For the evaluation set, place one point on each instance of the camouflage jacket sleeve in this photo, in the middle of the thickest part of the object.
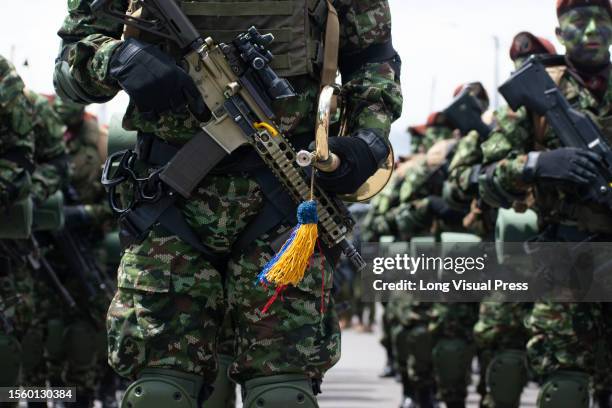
(505, 154)
(372, 92)
(51, 170)
(16, 137)
(88, 43)
(459, 190)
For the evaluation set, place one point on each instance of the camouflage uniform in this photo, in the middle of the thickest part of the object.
(171, 301)
(31, 144)
(16, 118)
(564, 336)
(500, 325)
(85, 142)
(417, 327)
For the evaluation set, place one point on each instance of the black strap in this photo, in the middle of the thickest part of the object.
(351, 63)
(139, 221)
(278, 208)
(153, 150)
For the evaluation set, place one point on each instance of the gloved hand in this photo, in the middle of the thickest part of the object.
(153, 80)
(568, 164)
(360, 156)
(440, 208)
(77, 216)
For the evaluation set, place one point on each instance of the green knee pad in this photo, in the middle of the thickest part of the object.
(421, 348)
(163, 388)
(80, 345)
(451, 360)
(506, 378)
(10, 356)
(33, 349)
(565, 389)
(224, 389)
(280, 391)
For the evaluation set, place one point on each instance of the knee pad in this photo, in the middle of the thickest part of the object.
(280, 391)
(80, 345)
(506, 377)
(565, 389)
(33, 349)
(165, 388)
(10, 355)
(224, 391)
(451, 361)
(421, 348)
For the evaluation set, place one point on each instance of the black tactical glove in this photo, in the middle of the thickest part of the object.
(567, 164)
(153, 80)
(440, 208)
(360, 155)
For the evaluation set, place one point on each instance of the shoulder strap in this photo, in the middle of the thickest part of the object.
(332, 45)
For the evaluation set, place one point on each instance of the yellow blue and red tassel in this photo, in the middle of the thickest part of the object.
(289, 265)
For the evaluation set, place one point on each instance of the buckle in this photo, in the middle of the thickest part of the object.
(119, 169)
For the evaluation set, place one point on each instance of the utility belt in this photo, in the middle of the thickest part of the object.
(154, 203)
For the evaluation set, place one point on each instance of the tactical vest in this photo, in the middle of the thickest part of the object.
(298, 27)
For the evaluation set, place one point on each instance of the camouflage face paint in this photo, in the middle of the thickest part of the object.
(586, 33)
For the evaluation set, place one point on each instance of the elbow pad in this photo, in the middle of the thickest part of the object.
(492, 193)
(67, 87)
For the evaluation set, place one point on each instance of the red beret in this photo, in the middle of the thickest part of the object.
(565, 5)
(477, 89)
(525, 44)
(417, 130)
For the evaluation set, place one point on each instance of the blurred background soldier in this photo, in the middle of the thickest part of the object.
(500, 335)
(527, 167)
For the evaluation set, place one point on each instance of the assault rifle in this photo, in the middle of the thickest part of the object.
(464, 113)
(532, 87)
(238, 86)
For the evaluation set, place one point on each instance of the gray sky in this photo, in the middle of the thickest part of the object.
(442, 43)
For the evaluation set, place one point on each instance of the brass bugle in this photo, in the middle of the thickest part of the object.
(321, 158)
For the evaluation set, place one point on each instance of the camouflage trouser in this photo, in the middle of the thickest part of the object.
(16, 299)
(171, 302)
(385, 340)
(571, 336)
(500, 326)
(63, 363)
(453, 321)
(412, 318)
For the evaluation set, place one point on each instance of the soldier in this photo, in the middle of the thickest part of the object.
(164, 319)
(523, 160)
(16, 166)
(88, 217)
(499, 334)
(34, 165)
